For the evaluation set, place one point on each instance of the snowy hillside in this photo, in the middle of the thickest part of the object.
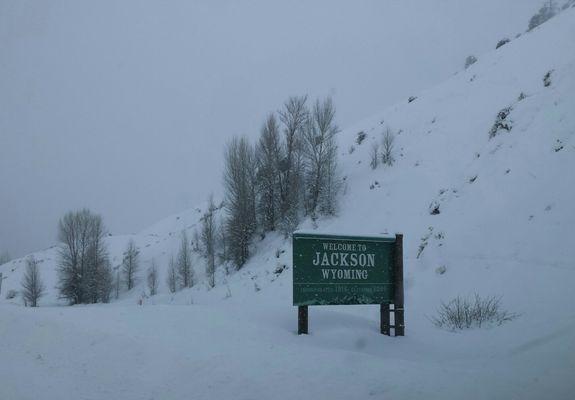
(480, 215)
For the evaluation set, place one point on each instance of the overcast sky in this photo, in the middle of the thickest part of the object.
(124, 106)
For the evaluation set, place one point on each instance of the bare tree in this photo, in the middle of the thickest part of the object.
(320, 154)
(208, 238)
(222, 240)
(184, 263)
(4, 257)
(83, 258)
(196, 241)
(98, 275)
(32, 285)
(117, 284)
(293, 116)
(269, 153)
(388, 148)
(332, 184)
(153, 278)
(239, 182)
(374, 155)
(105, 282)
(172, 278)
(130, 264)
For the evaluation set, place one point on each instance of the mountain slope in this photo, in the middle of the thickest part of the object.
(503, 228)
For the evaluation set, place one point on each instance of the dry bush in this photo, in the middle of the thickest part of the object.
(474, 312)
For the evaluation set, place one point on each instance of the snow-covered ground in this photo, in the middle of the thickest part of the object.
(504, 229)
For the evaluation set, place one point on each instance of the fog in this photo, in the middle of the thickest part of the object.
(124, 106)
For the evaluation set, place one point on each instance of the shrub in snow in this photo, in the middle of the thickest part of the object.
(501, 122)
(360, 137)
(374, 155)
(441, 270)
(502, 42)
(434, 208)
(546, 12)
(547, 79)
(387, 148)
(465, 313)
(470, 60)
(279, 269)
(11, 294)
(522, 96)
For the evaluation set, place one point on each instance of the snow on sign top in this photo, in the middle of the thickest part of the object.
(347, 235)
(333, 269)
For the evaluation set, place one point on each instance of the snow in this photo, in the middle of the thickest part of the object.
(508, 233)
(348, 232)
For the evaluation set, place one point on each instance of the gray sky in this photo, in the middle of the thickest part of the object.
(124, 106)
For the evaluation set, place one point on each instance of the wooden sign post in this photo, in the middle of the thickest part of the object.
(336, 270)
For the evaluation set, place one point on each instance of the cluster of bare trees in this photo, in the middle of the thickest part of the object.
(290, 173)
(85, 275)
(84, 270)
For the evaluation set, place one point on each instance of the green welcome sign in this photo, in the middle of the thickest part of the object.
(336, 269)
(330, 269)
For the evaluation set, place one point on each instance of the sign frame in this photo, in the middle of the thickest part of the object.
(382, 266)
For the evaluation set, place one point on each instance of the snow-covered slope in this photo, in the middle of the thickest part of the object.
(504, 228)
